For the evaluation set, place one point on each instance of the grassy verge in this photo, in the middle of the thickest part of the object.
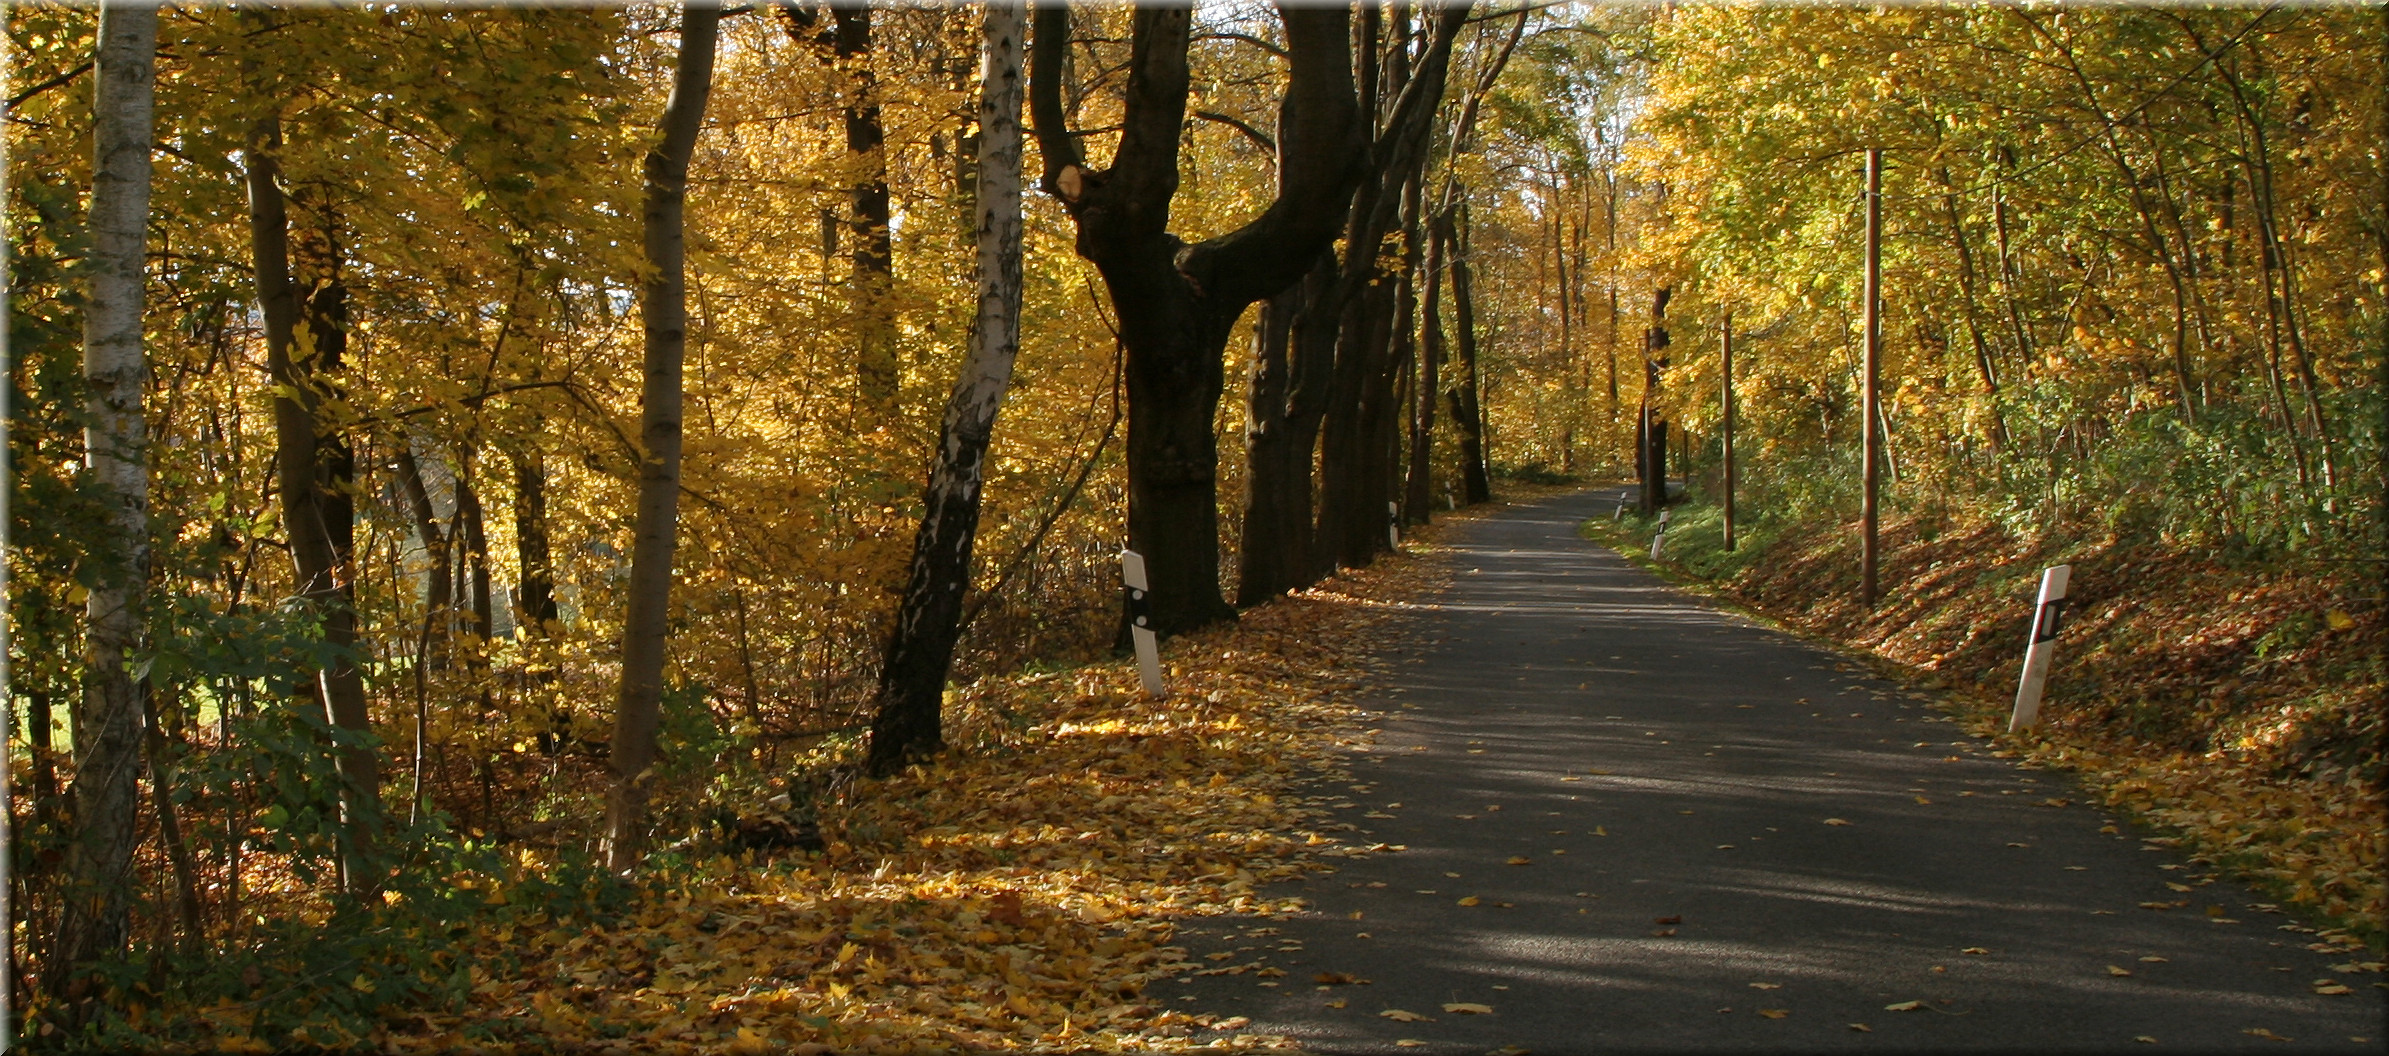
(2235, 710)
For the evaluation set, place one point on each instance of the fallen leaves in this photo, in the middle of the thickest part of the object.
(1974, 950)
(2118, 972)
(1904, 1006)
(1837, 821)
(1017, 893)
(1467, 1008)
(1775, 1013)
(1404, 1015)
(1766, 986)
(1519, 859)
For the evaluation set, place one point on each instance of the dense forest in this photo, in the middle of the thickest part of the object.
(524, 442)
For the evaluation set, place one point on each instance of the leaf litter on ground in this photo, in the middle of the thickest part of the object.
(1018, 894)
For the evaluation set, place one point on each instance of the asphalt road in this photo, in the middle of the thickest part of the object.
(1732, 839)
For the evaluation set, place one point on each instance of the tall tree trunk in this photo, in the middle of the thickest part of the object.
(1651, 460)
(306, 340)
(921, 651)
(1358, 453)
(876, 367)
(431, 652)
(1475, 481)
(1176, 303)
(663, 315)
(1419, 489)
(472, 535)
(535, 598)
(1282, 427)
(97, 876)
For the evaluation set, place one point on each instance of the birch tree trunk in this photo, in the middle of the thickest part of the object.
(663, 312)
(107, 724)
(921, 651)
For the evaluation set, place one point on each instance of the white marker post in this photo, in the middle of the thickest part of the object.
(1660, 534)
(1393, 526)
(1140, 621)
(2045, 619)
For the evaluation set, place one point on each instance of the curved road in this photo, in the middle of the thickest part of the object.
(1731, 838)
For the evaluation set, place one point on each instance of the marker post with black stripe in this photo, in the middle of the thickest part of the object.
(2046, 618)
(1140, 621)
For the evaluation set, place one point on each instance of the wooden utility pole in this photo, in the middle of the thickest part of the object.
(1725, 352)
(1871, 411)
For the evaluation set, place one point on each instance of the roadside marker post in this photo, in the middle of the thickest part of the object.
(1660, 535)
(2046, 618)
(1140, 621)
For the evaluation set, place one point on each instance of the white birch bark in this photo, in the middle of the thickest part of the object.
(921, 651)
(107, 722)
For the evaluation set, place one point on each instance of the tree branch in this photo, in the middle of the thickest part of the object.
(1048, 45)
(18, 99)
(1258, 137)
(1322, 138)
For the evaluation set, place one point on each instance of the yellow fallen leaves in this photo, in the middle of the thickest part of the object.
(1472, 900)
(1836, 821)
(1904, 1006)
(1467, 1008)
(2118, 972)
(1017, 894)
(1404, 1015)
(1775, 1013)
(1519, 860)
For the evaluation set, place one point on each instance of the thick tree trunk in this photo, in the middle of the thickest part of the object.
(1475, 480)
(97, 877)
(663, 311)
(306, 340)
(1351, 490)
(1176, 303)
(1282, 426)
(921, 651)
(1651, 459)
